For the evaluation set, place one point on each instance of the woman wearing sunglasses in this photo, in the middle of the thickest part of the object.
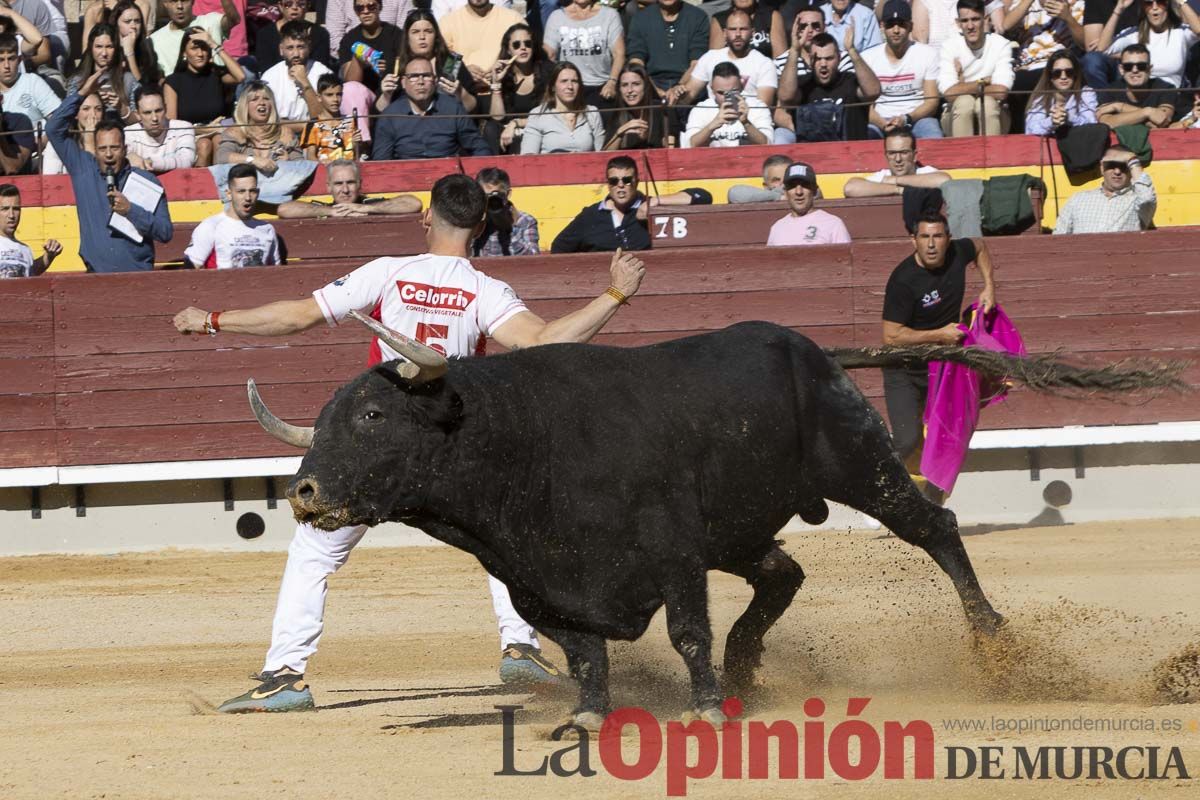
(1041, 28)
(518, 85)
(564, 123)
(591, 37)
(1168, 28)
(1060, 99)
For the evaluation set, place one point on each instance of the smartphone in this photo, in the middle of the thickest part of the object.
(452, 67)
(731, 98)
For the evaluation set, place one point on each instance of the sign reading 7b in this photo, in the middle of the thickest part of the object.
(670, 228)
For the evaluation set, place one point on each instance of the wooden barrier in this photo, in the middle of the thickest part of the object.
(92, 371)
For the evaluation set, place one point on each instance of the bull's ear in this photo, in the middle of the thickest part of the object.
(442, 409)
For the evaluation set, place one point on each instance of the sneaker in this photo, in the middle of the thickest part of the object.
(281, 690)
(525, 664)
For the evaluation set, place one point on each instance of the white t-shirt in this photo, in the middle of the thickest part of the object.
(757, 70)
(288, 100)
(731, 134)
(32, 96)
(441, 301)
(902, 84)
(16, 259)
(1168, 51)
(878, 177)
(235, 243)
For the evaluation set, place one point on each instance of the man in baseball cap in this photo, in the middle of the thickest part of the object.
(908, 73)
(804, 224)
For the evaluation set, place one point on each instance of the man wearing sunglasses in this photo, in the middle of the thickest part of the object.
(1124, 201)
(1138, 99)
(424, 123)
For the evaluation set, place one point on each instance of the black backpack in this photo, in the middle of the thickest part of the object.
(821, 121)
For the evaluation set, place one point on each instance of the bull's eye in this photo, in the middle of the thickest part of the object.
(372, 416)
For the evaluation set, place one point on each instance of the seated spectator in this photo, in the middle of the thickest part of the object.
(902, 170)
(117, 84)
(805, 225)
(82, 131)
(667, 38)
(16, 142)
(1100, 69)
(1041, 28)
(168, 40)
(936, 21)
(1138, 99)
(34, 47)
(1167, 28)
(103, 247)
(330, 136)
(195, 90)
(234, 238)
(727, 118)
(591, 37)
(100, 11)
(613, 224)
(563, 123)
(158, 144)
(423, 39)
(972, 64)
(128, 18)
(639, 122)
(829, 107)
(369, 50)
(23, 90)
(344, 181)
(907, 73)
(1060, 99)
(767, 34)
(267, 38)
(1191, 119)
(756, 70)
(773, 170)
(475, 31)
(842, 16)
(339, 17)
(423, 123)
(1124, 201)
(518, 85)
(294, 79)
(509, 231)
(16, 259)
(257, 137)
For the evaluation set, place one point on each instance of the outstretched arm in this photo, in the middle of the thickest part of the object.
(274, 319)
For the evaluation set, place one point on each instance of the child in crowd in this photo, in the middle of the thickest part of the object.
(330, 136)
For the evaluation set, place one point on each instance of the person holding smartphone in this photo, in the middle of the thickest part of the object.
(424, 123)
(727, 117)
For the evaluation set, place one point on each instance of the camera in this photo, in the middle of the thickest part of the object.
(496, 201)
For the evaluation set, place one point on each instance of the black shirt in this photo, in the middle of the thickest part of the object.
(844, 90)
(199, 97)
(386, 44)
(593, 230)
(760, 33)
(1097, 12)
(928, 299)
(1118, 92)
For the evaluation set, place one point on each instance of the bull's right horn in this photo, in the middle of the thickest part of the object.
(427, 364)
(283, 431)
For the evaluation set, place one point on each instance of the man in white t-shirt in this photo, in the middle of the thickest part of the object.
(758, 75)
(908, 73)
(727, 118)
(294, 79)
(234, 238)
(441, 300)
(16, 259)
(24, 92)
(900, 148)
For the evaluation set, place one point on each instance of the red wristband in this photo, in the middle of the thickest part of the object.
(216, 316)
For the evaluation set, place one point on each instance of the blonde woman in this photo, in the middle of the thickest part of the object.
(257, 137)
(563, 123)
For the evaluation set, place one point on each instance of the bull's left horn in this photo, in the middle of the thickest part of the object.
(426, 364)
(283, 431)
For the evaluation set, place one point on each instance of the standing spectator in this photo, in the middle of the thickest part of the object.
(344, 181)
(368, 51)
(1060, 99)
(667, 39)
(767, 34)
(127, 17)
(727, 118)
(168, 39)
(100, 11)
(156, 143)
(330, 136)
(841, 15)
(83, 132)
(423, 123)
(16, 142)
(564, 123)
(1041, 28)
(774, 169)
(339, 17)
(475, 31)
(975, 76)
(104, 248)
(614, 224)
(508, 231)
(1099, 69)
(1167, 28)
(257, 137)
(639, 122)
(907, 73)
(1138, 99)
(23, 92)
(590, 36)
(293, 80)
(936, 21)
(117, 84)
(267, 38)
(423, 39)
(195, 90)
(518, 85)
(756, 70)
(805, 225)
(830, 107)
(236, 43)
(16, 259)
(1124, 200)
(903, 170)
(233, 238)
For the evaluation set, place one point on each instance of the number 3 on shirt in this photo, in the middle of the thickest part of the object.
(427, 334)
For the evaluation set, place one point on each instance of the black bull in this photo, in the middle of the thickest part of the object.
(603, 483)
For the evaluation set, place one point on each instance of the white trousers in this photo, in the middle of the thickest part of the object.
(314, 555)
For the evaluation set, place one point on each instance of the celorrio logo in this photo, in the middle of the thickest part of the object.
(446, 299)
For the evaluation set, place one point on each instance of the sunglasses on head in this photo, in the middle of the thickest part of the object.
(1135, 66)
(1068, 72)
(624, 180)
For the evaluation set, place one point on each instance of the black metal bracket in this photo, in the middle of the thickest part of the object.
(1079, 466)
(35, 502)
(272, 497)
(228, 484)
(1035, 465)
(81, 501)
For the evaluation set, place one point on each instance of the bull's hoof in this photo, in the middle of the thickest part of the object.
(987, 623)
(713, 716)
(590, 721)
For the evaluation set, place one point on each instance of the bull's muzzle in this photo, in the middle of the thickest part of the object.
(305, 496)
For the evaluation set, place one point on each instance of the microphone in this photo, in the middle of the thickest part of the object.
(110, 183)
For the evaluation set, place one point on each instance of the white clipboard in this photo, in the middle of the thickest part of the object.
(142, 193)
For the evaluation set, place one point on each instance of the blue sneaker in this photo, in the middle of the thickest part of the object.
(281, 690)
(524, 664)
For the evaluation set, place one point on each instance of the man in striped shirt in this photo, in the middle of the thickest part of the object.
(1124, 201)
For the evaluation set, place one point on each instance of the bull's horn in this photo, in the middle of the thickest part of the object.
(283, 431)
(426, 364)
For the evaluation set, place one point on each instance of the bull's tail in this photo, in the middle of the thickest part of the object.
(1042, 373)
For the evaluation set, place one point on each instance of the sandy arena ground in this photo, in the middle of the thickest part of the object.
(106, 655)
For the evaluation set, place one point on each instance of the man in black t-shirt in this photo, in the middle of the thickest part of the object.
(833, 99)
(922, 305)
(1099, 70)
(1138, 99)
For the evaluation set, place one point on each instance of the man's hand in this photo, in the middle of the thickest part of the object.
(627, 272)
(1160, 117)
(51, 251)
(389, 84)
(119, 202)
(1056, 8)
(797, 37)
(743, 111)
(893, 123)
(137, 161)
(950, 334)
(190, 320)
(299, 74)
(265, 165)
(848, 39)
(349, 210)
(987, 299)
(675, 93)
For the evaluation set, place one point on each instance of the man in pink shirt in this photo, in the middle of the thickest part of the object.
(804, 224)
